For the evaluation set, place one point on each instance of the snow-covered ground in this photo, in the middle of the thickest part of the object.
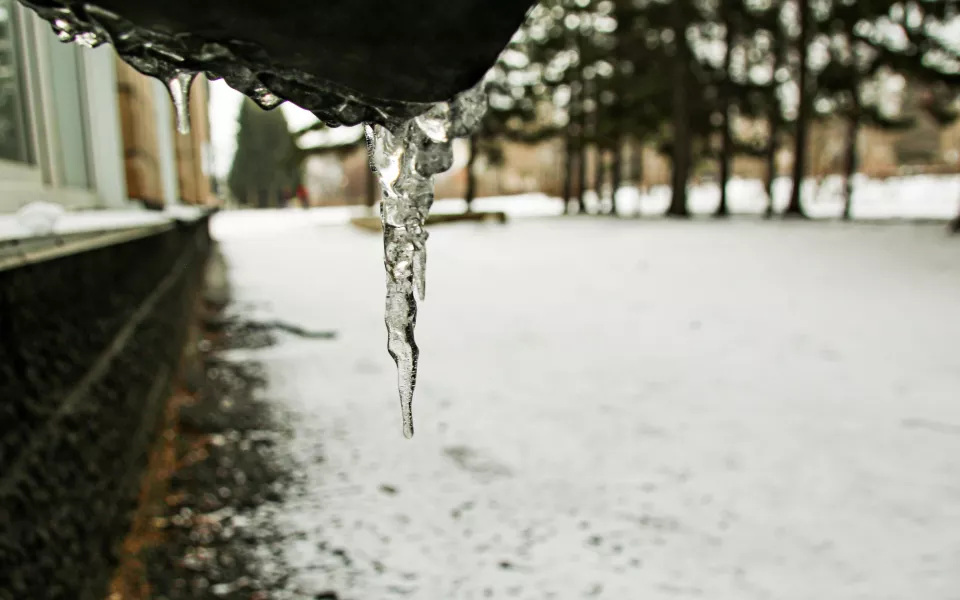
(917, 197)
(621, 409)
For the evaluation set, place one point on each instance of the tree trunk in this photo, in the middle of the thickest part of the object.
(636, 164)
(794, 207)
(625, 25)
(636, 173)
(681, 131)
(471, 190)
(775, 121)
(569, 154)
(581, 144)
(954, 226)
(598, 172)
(771, 164)
(850, 165)
(581, 172)
(593, 127)
(616, 172)
(726, 135)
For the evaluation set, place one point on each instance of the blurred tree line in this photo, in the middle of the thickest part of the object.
(610, 77)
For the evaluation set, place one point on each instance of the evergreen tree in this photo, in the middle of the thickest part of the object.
(802, 125)
(854, 70)
(727, 28)
(774, 113)
(944, 107)
(262, 173)
(758, 92)
(635, 99)
(534, 87)
(679, 20)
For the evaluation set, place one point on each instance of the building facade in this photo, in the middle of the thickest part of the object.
(80, 129)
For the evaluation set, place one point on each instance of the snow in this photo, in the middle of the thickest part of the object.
(39, 218)
(916, 197)
(621, 409)
(518, 206)
(244, 223)
(247, 223)
(43, 218)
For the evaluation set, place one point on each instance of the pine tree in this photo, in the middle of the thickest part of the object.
(639, 92)
(682, 143)
(854, 69)
(944, 107)
(802, 125)
(774, 112)
(262, 173)
(730, 16)
(522, 88)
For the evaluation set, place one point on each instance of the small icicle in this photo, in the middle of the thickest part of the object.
(405, 158)
(264, 98)
(179, 88)
(63, 29)
(88, 39)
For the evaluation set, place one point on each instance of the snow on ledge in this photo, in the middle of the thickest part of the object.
(40, 219)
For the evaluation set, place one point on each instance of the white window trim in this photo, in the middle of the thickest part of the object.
(20, 173)
(166, 145)
(104, 136)
(38, 92)
(14, 195)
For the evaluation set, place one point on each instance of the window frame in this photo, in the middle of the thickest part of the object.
(96, 136)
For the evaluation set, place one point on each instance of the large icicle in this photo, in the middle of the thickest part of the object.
(405, 158)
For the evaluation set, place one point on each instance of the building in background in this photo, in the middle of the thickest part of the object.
(81, 129)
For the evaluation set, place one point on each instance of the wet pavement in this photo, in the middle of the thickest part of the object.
(616, 409)
(220, 461)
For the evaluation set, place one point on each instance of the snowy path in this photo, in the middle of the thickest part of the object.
(621, 409)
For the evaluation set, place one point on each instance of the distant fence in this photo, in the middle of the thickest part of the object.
(90, 341)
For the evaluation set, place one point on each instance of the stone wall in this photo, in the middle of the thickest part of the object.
(90, 344)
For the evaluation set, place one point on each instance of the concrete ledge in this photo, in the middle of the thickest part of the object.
(13, 228)
(88, 230)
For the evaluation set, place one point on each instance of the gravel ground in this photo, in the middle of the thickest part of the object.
(228, 471)
(618, 409)
(220, 464)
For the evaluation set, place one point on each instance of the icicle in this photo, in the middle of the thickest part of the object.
(264, 98)
(88, 39)
(405, 158)
(179, 88)
(63, 29)
(67, 31)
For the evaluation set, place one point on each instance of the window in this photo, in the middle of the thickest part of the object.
(14, 132)
(60, 138)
